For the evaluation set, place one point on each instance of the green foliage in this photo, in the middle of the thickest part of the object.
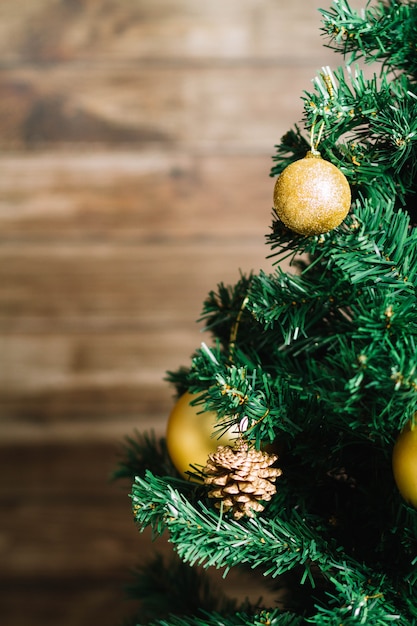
(382, 31)
(368, 129)
(265, 618)
(276, 545)
(320, 362)
(141, 453)
(169, 587)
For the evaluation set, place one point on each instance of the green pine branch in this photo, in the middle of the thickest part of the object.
(377, 247)
(165, 587)
(273, 617)
(223, 307)
(382, 31)
(202, 537)
(276, 545)
(367, 127)
(143, 452)
(322, 363)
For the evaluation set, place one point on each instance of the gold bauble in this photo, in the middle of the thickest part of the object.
(191, 436)
(311, 195)
(404, 463)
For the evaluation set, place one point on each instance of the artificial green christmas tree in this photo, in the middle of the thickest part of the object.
(314, 371)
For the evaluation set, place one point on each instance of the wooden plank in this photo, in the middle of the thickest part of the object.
(114, 429)
(226, 107)
(89, 331)
(97, 376)
(64, 518)
(77, 285)
(76, 602)
(62, 469)
(70, 537)
(117, 316)
(64, 360)
(98, 404)
(148, 194)
(47, 377)
(58, 31)
(147, 407)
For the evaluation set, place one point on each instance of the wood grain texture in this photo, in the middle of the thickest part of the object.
(152, 196)
(149, 196)
(135, 147)
(48, 30)
(198, 107)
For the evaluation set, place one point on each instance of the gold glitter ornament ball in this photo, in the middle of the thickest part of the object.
(404, 463)
(311, 195)
(190, 434)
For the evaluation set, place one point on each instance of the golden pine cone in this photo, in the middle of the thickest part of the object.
(240, 478)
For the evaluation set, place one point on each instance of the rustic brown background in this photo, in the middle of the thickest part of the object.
(135, 145)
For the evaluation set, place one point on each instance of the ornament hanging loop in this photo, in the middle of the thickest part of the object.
(314, 143)
(235, 328)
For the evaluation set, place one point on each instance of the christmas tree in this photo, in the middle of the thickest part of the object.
(308, 376)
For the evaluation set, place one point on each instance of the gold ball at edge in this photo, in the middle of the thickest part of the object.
(404, 463)
(189, 435)
(311, 195)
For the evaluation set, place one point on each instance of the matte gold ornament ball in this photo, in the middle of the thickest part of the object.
(191, 435)
(311, 195)
(404, 463)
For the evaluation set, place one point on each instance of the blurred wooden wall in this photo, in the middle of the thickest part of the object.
(135, 146)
